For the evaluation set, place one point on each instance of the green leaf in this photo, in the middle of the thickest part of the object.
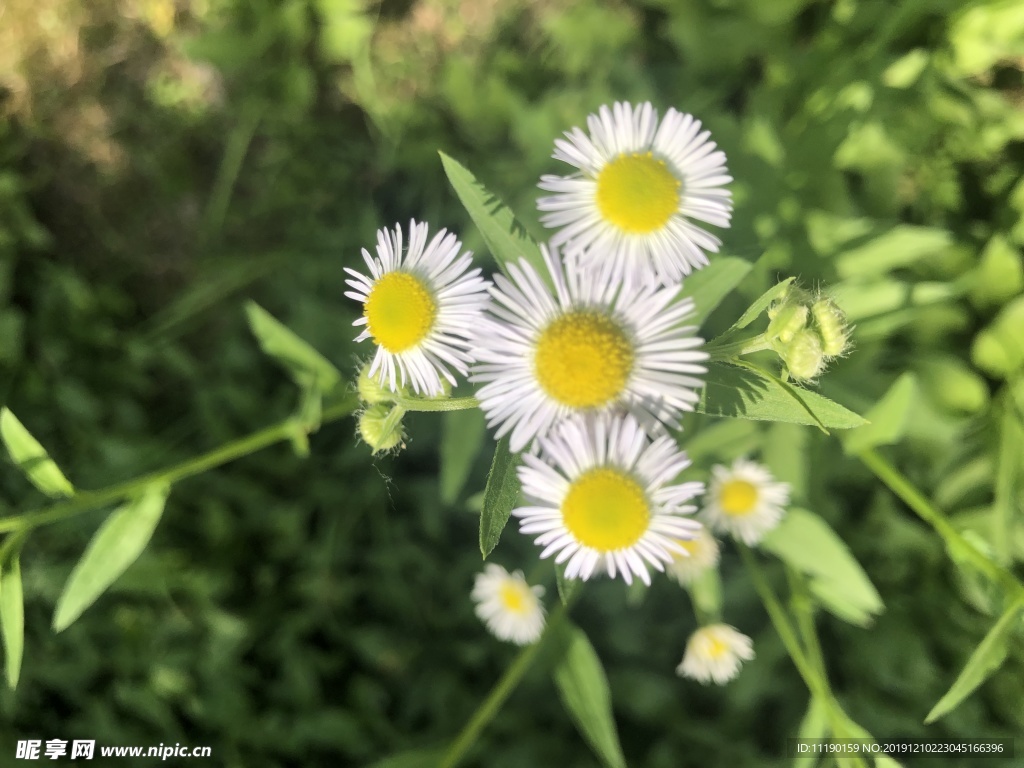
(500, 496)
(583, 686)
(887, 419)
(747, 393)
(814, 725)
(307, 367)
(566, 587)
(1010, 459)
(710, 285)
(761, 304)
(12, 618)
(506, 238)
(115, 546)
(806, 542)
(986, 659)
(901, 246)
(462, 433)
(32, 458)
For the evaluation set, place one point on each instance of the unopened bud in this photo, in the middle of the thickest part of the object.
(380, 427)
(787, 321)
(803, 355)
(371, 390)
(831, 323)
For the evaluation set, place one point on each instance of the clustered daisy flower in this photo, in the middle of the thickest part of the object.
(419, 307)
(744, 501)
(603, 498)
(698, 555)
(510, 607)
(715, 653)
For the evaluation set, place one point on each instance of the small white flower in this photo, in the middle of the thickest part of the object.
(418, 307)
(640, 186)
(699, 554)
(602, 497)
(716, 653)
(586, 346)
(509, 606)
(744, 501)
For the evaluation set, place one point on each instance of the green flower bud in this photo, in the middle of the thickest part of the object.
(371, 391)
(380, 427)
(803, 356)
(831, 324)
(787, 321)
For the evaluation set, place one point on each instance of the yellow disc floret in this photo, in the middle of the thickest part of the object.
(400, 311)
(637, 192)
(583, 359)
(513, 597)
(606, 509)
(737, 497)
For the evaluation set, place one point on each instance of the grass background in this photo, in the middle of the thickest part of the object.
(162, 161)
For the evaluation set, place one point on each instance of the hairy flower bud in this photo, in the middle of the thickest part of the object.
(371, 391)
(804, 356)
(831, 324)
(380, 427)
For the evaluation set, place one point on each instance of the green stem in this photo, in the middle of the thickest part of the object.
(734, 349)
(450, 404)
(914, 499)
(490, 706)
(86, 501)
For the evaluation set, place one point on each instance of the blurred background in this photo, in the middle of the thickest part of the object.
(161, 161)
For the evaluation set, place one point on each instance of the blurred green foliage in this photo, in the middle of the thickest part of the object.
(161, 161)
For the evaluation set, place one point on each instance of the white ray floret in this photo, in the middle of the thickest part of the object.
(510, 607)
(715, 653)
(699, 555)
(419, 308)
(632, 207)
(583, 346)
(602, 498)
(744, 500)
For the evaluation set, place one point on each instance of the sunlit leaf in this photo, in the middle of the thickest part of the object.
(986, 659)
(12, 618)
(116, 545)
(305, 365)
(583, 687)
(32, 458)
(500, 496)
(762, 303)
(887, 419)
(708, 286)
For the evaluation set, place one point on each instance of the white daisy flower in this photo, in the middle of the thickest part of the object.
(509, 606)
(418, 307)
(641, 186)
(602, 497)
(744, 501)
(716, 653)
(699, 554)
(588, 346)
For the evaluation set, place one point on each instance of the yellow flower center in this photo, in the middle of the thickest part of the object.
(583, 360)
(513, 599)
(606, 509)
(400, 311)
(737, 497)
(715, 648)
(637, 193)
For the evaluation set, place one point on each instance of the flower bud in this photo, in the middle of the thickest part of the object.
(831, 324)
(380, 427)
(371, 391)
(804, 356)
(787, 320)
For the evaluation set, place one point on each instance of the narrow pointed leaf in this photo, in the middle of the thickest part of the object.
(887, 419)
(808, 544)
(500, 496)
(746, 393)
(304, 364)
(32, 458)
(462, 433)
(583, 687)
(116, 545)
(506, 238)
(12, 619)
(761, 304)
(986, 659)
(708, 286)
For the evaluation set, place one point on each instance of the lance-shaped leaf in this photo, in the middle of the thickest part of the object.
(809, 545)
(986, 659)
(12, 618)
(747, 393)
(462, 433)
(32, 458)
(761, 304)
(583, 686)
(708, 286)
(506, 238)
(887, 419)
(500, 496)
(116, 545)
(304, 364)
